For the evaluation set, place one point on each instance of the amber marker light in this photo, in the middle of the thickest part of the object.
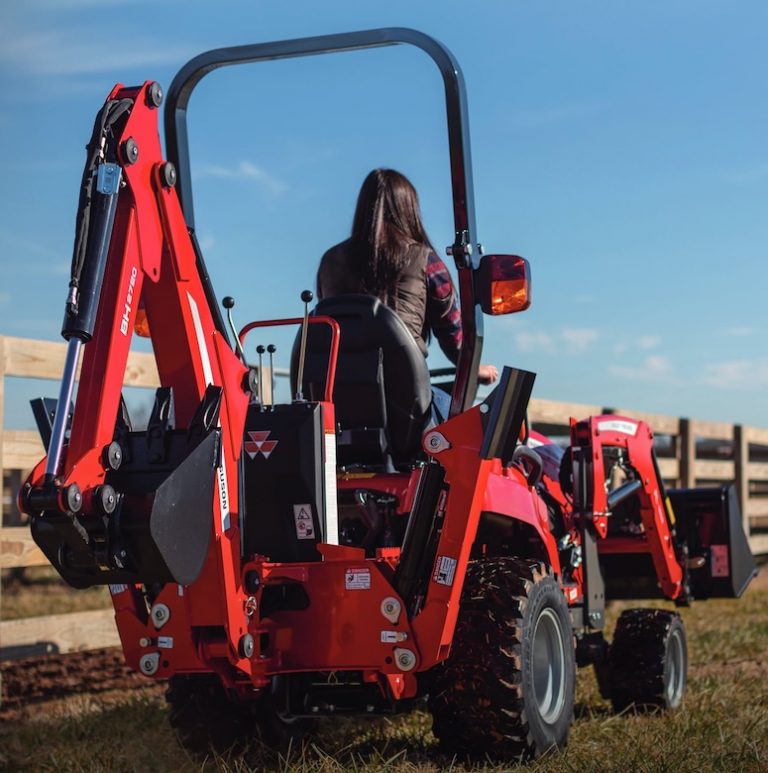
(505, 284)
(141, 327)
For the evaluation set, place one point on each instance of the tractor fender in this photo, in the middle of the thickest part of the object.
(508, 496)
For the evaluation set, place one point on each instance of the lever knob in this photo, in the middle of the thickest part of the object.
(307, 296)
(228, 302)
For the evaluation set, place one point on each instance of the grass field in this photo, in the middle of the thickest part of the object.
(723, 725)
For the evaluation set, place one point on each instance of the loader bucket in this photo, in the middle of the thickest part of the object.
(710, 521)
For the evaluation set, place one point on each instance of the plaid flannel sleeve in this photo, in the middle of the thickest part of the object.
(443, 315)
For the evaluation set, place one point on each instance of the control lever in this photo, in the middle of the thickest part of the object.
(260, 351)
(228, 302)
(271, 349)
(307, 297)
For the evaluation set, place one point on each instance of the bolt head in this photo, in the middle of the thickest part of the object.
(130, 151)
(405, 659)
(252, 582)
(246, 646)
(154, 95)
(149, 663)
(168, 175)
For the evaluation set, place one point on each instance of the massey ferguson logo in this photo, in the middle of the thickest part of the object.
(259, 444)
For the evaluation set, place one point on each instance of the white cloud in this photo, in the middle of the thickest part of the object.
(652, 368)
(70, 52)
(737, 374)
(244, 170)
(206, 242)
(537, 341)
(648, 342)
(742, 330)
(644, 343)
(578, 340)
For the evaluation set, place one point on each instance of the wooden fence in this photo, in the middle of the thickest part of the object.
(690, 452)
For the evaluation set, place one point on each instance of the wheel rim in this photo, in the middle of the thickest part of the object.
(549, 666)
(675, 672)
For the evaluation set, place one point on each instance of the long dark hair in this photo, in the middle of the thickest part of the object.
(386, 225)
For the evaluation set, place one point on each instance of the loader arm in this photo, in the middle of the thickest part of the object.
(595, 499)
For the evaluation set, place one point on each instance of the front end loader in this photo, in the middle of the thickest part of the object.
(341, 554)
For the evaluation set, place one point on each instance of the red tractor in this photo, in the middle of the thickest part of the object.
(337, 554)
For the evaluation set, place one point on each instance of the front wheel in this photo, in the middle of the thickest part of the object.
(648, 660)
(507, 688)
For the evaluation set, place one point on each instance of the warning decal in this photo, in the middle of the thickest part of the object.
(305, 528)
(719, 558)
(445, 569)
(357, 579)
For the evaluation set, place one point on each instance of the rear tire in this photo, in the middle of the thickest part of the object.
(507, 688)
(648, 660)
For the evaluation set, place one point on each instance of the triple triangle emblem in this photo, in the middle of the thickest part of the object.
(259, 443)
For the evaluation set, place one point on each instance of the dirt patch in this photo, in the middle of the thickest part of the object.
(28, 683)
(753, 668)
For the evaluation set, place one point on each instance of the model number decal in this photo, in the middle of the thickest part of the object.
(615, 425)
(125, 319)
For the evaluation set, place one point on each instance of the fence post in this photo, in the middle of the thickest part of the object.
(686, 454)
(2, 470)
(741, 465)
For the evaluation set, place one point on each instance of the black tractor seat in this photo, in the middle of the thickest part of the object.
(382, 393)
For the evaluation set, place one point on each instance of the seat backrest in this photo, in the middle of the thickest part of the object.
(382, 379)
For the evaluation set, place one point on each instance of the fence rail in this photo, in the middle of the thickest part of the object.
(691, 452)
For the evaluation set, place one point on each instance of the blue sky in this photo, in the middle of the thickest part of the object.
(620, 146)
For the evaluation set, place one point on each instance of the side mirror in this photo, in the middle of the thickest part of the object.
(503, 284)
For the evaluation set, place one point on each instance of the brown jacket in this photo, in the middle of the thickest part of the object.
(337, 275)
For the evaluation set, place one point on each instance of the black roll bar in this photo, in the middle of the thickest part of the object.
(464, 249)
